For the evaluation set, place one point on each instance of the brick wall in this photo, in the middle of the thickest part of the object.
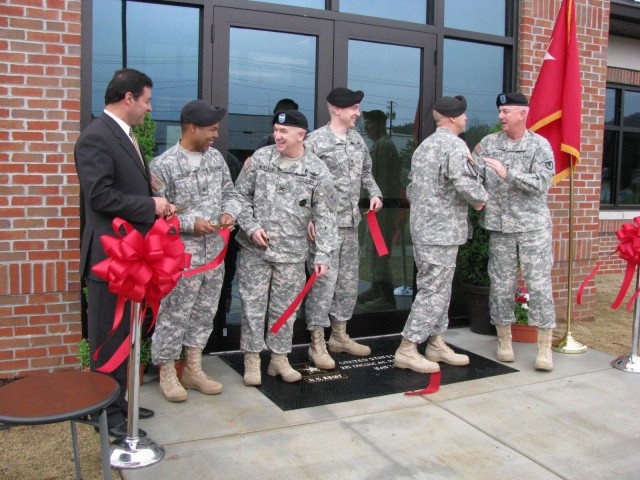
(39, 216)
(592, 18)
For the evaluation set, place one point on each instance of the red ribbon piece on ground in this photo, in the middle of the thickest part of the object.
(292, 308)
(376, 234)
(433, 387)
(141, 270)
(629, 251)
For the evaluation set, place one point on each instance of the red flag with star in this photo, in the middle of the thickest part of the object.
(555, 106)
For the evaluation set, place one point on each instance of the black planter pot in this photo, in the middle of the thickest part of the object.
(477, 301)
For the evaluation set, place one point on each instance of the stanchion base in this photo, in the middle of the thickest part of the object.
(568, 345)
(627, 363)
(135, 452)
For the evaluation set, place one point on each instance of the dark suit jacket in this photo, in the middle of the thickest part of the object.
(114, 183)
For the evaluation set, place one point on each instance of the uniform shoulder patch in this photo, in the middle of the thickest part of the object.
(156, 183)
(548, 165)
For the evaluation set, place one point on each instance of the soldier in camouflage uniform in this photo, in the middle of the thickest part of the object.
(442, 184)
(282, 187)
(194, 177)
(518, 170)
(346, 155)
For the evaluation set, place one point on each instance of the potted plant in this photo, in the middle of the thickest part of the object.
(471, 270)
(83, 354)
(521, 331)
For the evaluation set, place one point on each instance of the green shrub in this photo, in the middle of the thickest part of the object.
(146, 135)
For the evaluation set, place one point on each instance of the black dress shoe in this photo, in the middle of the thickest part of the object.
(145, 413)
(120, 430)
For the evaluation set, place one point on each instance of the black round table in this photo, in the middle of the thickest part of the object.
(61, 396)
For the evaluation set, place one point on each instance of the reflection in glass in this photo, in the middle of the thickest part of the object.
(630, 165)
(610, 149)
(476, 71)
(405, 10)
(631, 109)
(610, 105)
(170, 56)
(318, 4)
(265, 67)
(484, 16)
(391, 85)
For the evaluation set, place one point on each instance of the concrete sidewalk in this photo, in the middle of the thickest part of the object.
(579, 421)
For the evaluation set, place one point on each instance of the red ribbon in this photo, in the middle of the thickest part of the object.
(376, 234)
(140, 269)
(433, 387)
(215, 263)
(292, 308)
(629, 250)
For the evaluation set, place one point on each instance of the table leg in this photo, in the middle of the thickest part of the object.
(76, 454)
(105, 449)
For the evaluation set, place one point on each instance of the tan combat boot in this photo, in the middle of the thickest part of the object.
(505, 349)
(318, 351)
(407, 356)
(252, 375)
(193, 376)
(339, 341)
(279, 365)
(439, 351)
(170, 385)
(544, 360)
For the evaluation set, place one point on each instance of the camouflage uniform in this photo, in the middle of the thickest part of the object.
(186, 314)
(282, 202)
(519, 222)
(334, 294)
(440, 189)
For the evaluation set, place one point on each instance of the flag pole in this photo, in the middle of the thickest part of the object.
(568, 344)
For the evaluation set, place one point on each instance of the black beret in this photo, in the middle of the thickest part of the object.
(513, 98)
(284, 105)
(343, 97)
(292, 118)
(375, 115)
(451, 106)
(201, 113)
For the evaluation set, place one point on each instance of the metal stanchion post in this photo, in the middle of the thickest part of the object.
(133, 451)
(631, 363)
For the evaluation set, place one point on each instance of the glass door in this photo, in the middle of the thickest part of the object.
(390, 67)
(262, 61)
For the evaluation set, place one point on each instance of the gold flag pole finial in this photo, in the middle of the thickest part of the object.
(567, 344)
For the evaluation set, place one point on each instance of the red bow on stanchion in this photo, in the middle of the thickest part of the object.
(629, 250)
(140, 269)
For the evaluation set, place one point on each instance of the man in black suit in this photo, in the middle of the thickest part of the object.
(114, 182)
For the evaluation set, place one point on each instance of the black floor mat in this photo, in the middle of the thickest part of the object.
(358, 377)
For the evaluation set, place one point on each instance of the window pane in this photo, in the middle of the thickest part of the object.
(630, 170)
(391, 85)
(631, 109)
(170, 56)
(610, 117)
(484, 16)
(297, 3)
(475, 71)
(264, 68)
(610, 149)
(406, 10)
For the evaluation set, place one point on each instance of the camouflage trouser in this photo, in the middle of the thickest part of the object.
(429, 314)
(334, 294)
(186, 315)
(536, 260)
(266, 288)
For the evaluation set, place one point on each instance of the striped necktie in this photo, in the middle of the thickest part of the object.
(135, 144)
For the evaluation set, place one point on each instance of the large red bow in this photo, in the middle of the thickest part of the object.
(141, 270)
(629, 250)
